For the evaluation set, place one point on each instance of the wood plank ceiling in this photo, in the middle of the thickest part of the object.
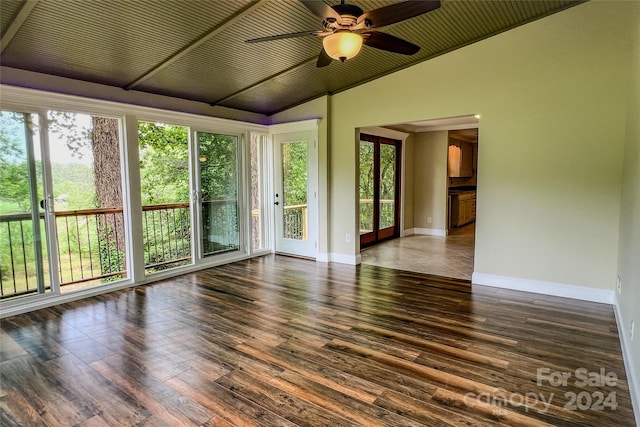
(196, 50)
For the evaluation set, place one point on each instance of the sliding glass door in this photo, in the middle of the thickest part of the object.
(24, 259)
(61, 203)
(83, 206)
(379, 182)
(218, 189)
(165, 195)
(87, 199)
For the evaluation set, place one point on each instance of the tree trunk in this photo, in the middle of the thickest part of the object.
(108, 179)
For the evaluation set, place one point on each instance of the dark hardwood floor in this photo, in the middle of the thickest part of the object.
(279, 341)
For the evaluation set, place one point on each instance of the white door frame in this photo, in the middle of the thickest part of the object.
(283, 133)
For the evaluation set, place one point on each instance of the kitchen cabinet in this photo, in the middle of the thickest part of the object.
(463, 208)
(460, 159)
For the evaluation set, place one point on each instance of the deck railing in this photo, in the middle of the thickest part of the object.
(296, 222)
(91, 242)
(90, 246)
(167, 235)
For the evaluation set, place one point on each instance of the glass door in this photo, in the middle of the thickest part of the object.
(24, 259)
(165, 193)
(87, 199)
(379, 164)
(218, 189)
(295, 193)
(61, 202)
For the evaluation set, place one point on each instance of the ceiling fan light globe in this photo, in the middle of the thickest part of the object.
(342, 45)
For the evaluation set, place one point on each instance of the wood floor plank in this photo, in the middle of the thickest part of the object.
(171, 408)
(110, 404)
(332, 378)
(31, 386)
(230, 406)
(286, 405)
(280, 341)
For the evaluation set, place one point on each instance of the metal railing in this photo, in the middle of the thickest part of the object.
(90, 246)
(167, 235)
(17, 273)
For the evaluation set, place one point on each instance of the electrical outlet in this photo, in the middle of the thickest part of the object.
(347, 238)
(619, 285)
(429, 220)
(633, 324)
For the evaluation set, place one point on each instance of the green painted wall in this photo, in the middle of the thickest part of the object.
(430, 180)
(629, 247)
(552, 97)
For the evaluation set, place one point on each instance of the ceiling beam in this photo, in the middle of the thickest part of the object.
(179, 54)
(17, 22)
(263, 81)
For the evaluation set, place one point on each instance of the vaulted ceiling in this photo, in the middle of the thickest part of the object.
(197, 50)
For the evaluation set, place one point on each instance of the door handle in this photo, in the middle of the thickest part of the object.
(276, 203)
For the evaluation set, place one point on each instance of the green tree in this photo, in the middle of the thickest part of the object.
(14, 174)
(218, 166)
(164, 163)
(294, 163)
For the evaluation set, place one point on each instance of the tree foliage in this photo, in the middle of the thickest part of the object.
(294, 173)
(164, 163)
(218, 158)
(14, 175)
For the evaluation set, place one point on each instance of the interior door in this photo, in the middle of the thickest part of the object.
(379, 165)
(295, 198)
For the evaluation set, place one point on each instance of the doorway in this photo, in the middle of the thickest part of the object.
(295, 198)
(431, 242)
(379, 202)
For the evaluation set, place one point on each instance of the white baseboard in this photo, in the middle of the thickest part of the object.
(431, 231)
(322, 257)
(407, 232)
(581, 293)
(345, 259)
(632, 376)
(546, 288)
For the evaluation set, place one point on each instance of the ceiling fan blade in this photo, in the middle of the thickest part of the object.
(389, 43)
(286, 36)
(323, 59)
(397, 12)
(321, 9)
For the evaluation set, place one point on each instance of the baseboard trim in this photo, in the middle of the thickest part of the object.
(407, 232)
(345, 259)
(322, 257)
(431, 232)
(632, 376)
(546, 288)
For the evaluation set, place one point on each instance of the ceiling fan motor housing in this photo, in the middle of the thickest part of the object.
(349, 14)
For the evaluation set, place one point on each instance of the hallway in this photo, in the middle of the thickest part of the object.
(450, 256)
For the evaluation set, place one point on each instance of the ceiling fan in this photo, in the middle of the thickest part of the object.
(347, 27)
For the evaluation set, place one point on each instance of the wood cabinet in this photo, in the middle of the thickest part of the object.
(460, 159)
(463, 208)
